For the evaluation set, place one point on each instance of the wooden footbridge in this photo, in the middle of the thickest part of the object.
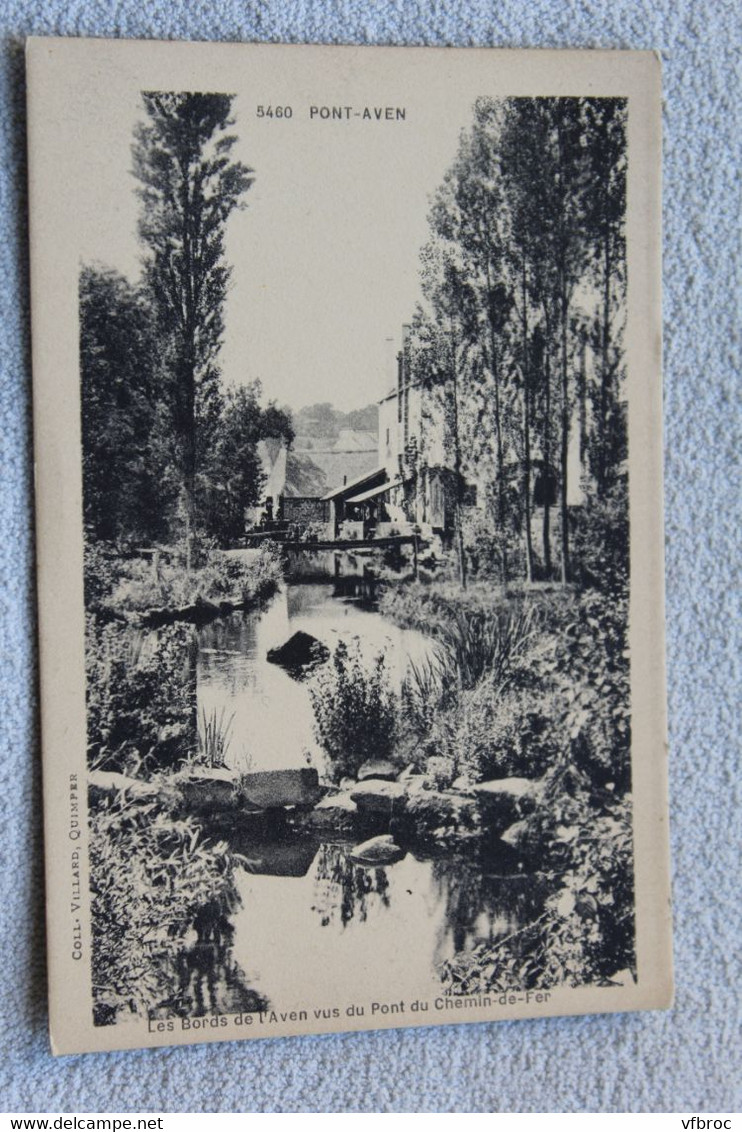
(257, 539)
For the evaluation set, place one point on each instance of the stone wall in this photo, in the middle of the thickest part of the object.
(300, 509)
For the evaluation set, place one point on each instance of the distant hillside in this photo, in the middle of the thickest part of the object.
(315, 465)
(329, 449)
(324, 421)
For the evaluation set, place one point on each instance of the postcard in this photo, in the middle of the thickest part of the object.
(348, 443)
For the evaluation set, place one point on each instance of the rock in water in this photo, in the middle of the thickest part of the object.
(299, 655)
(377, 796)
(505, 801)
(382, 850)
(267, 789)
(335, 813)
(208, 789)
(378, 768)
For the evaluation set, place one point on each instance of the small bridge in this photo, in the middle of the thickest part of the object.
(349, 563)
(354, 544)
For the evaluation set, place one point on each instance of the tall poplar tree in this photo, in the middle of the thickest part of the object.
(190, 184)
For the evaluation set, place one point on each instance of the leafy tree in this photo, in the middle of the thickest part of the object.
(469, 213)
(232, 477)
(437, 361)
(606, 123)
(189, 187)
(125, 488)
(318, 420)
(365, 419)
(525, 275)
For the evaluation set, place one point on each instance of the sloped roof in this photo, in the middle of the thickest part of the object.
(374, 492)
(359, 483)
(312, 473)
(304, 478)
(272, 456)
(355, 440)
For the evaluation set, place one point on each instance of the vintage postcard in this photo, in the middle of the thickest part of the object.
(348, 447)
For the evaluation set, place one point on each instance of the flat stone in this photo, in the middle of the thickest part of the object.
(269, 788)
(510, 787)
(208, 788)
(449, 809)
(341, 802)
(336, 813)
(378, 768)
(377, 796)
(105, 783)
(381, 850)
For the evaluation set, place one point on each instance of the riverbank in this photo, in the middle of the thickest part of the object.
(534, 683)
(141, 651)
(158, 589)
(496, 744)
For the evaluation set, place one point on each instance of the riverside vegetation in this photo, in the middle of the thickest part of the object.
(154, 875)
(520, 684)
(516, 352)
(169, 465)
(522, 281)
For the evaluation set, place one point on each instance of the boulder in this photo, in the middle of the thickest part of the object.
(340, 802)
(208, 789)
(270, 788)
(513, 787)
(378, 768)
(335, 813)
(515, 834)
(299, 655)
(505, 801)
(377, 796)
(435, 812)
(381, 850)
(104, 784)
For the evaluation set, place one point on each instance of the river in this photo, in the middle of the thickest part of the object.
(314, 928)
(268, 713)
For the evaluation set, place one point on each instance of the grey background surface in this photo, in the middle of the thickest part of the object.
(684, 1059)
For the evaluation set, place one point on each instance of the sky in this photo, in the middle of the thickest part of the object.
(325, 255)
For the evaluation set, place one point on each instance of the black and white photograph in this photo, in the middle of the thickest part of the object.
(356, 491)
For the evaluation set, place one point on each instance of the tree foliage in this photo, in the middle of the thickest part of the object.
(124, 482)
(165, 447)
(233, 478)
(190, 185)
(521, 328)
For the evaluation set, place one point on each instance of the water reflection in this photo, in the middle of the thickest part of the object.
(208, 978)
(344, 890)
(272, 722)
(388, 929)
(476, 908)
(479, 908)
(312, 925)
